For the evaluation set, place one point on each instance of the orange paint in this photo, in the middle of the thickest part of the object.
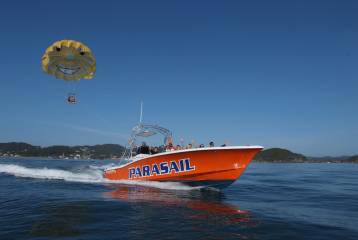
(205, 164)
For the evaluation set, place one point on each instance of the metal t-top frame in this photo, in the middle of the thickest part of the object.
(146, 130)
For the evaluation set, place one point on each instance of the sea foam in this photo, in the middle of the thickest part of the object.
(92, 174)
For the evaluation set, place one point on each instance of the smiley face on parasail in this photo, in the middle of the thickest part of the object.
(71, 61)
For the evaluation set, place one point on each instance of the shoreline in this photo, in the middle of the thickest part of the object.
(118, 160)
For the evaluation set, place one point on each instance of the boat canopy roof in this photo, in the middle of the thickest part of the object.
(147, 130)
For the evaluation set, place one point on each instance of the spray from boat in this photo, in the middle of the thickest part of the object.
(91, 174)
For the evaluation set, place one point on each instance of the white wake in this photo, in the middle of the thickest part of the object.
(93, 174)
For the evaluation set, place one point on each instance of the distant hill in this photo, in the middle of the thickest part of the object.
(353, 159)
(107, 151)
(20, 148)
(81, 152)
(339, 159)
(279, 155)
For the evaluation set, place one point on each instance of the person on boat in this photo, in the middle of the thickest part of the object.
(71, 99)
(170, 147)
(161, 149)
(201, 146)
(154, 150)
(189, 146)
(178, 147)
(211, 144)
(144, 149)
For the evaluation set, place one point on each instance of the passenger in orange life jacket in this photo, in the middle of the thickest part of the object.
(169, 147)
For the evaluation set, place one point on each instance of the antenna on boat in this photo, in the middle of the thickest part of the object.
(141, 112)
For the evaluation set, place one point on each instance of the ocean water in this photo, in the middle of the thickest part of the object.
(64, 199)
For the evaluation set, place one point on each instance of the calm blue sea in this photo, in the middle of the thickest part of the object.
(63, 199)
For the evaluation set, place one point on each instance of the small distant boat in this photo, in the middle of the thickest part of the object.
(215, 167)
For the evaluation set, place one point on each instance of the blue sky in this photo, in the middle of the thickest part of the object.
(271, 73)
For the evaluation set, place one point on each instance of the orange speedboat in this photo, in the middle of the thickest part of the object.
(215, 167)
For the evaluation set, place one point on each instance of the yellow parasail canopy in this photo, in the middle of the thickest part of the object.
(69, 60)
